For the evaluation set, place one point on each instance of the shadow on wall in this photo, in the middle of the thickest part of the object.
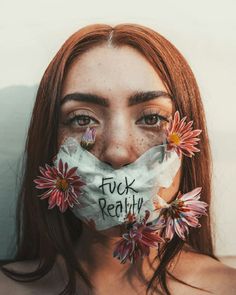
(16, 103)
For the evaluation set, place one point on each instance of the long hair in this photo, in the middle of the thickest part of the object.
(43, 233)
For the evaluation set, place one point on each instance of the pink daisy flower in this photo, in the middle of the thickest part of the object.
(63, 186)
(183, 213)
(137, 241)
(181, 137)
(88, 138)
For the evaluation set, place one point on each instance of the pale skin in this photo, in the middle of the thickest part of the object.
(124, 132)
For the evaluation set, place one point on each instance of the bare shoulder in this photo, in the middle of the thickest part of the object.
(52, 283)
(10, 286)
(206, 272)
(221, 275)
(7, 285)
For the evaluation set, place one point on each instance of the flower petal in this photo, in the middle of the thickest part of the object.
(63, 185)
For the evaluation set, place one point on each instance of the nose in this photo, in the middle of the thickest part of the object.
(118, 149)
(117, 156)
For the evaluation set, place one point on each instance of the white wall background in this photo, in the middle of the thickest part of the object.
(31, 32)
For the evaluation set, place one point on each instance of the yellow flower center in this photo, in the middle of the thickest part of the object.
(62, 184)
(174, 138)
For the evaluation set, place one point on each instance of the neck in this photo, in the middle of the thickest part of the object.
(95, 253)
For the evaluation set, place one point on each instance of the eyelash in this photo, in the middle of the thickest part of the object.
(76, 118)
(155, 115)
(159, 118)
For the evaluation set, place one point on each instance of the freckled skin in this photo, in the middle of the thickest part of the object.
(115, 73)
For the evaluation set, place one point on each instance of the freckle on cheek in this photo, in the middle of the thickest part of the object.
(97, 149)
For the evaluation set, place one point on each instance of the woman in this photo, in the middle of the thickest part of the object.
(125, 82)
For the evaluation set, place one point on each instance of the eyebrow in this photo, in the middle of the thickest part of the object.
(136, 98)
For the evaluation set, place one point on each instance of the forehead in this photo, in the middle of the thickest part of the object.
(104, 69)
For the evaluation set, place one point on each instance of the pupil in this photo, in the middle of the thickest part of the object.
(83, 120)
(151, 120)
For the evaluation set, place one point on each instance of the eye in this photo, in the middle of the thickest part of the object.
(81, 121)
(151, 120)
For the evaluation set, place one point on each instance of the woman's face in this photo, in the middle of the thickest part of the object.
(119, 93)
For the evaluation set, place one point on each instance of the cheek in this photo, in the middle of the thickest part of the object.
(143, 139)
(64, 133)
(151, 138)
